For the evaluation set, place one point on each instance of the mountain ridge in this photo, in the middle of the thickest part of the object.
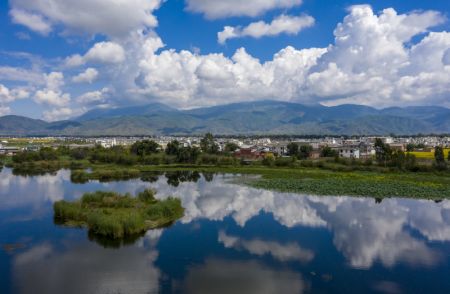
(246, 118)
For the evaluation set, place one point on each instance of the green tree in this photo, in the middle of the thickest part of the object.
(305, 151)
(383, 152)
(440, 163)
(398, 159)
(410, 162)
(231, 147)
(439, 155)
(292, 149)
(328, 152)
(188, 154)
(145, 147)
(410, 147)
(208, 145)
(173, 148)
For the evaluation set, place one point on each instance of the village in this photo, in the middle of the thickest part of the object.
(244, 148)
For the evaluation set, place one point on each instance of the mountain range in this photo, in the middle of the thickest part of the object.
(246, 118)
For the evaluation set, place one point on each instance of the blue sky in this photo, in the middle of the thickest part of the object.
(109, 54)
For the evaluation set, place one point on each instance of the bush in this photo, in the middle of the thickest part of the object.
(284, 161)
(147, 196)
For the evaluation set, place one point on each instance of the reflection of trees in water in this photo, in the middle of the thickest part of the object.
(209, 177)
(107, 242)
(151, 177)
(114, 243)
(28, 172)
(175, 178)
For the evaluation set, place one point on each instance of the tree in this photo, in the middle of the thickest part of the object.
(292, 149)
(305, 151)
(410, 147)
(448, 156)
(410, 162)
(145, 147)
(440, 163)
(328, 152)
(398, 159)
(439, 155)
(173, 148)
(188, 154)
(208, 145)
(231, 147)
(383, 152)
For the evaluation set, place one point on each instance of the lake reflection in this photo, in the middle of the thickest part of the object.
(232, 239)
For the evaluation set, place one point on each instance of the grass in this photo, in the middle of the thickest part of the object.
(116, 216)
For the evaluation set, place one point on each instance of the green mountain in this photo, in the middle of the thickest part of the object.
(248, 118)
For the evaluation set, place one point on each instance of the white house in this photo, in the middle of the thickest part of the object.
(349, 152)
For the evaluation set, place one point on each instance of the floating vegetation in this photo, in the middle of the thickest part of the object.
(116, 216)
(356, 184)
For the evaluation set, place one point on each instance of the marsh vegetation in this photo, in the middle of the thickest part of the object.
(116, 216)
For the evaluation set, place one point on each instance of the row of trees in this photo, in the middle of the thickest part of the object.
(386, 156)
(299, 151)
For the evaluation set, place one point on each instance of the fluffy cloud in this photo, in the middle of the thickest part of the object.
(7, 95)
(102, 52)
(62, 113)
(51, 97)
(107, 17)
(213, 9)
(52, 94)
(88, 76)
(283, 24)
(377, 59)
(94, 97)
(371, 62)
(10, 95)
(34, 22)
(184, 79)
(4, 110)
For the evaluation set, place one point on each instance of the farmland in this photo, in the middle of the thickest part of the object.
(429, 154)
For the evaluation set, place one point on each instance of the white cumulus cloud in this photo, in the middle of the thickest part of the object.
(10, 95)
(93, 97)
(108, 17)
(88, 76)
(52, 93)
(214, 9)
(102, 52)
(283, 24)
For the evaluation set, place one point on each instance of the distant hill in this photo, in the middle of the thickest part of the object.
(125, 111)
(247, 118)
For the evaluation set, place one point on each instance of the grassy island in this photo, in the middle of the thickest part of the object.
(116, 216)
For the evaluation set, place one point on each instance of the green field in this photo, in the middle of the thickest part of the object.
(428, 155)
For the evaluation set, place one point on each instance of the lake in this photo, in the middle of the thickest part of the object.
(232, 239)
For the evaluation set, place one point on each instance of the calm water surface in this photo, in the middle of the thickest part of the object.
(232, 239)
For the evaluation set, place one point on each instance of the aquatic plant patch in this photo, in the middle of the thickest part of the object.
(116, 216)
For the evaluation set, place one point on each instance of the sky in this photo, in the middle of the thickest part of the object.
(61, 58)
